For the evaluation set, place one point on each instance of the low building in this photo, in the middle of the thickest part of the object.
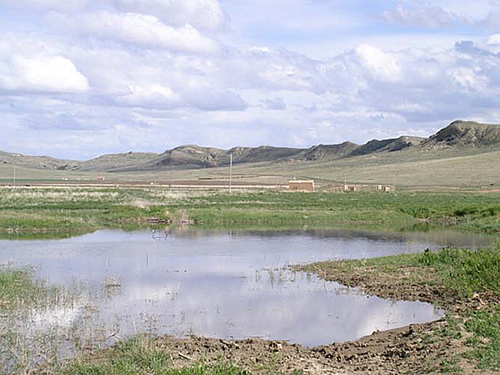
(354, 188)
(301, 185)
(386, 188)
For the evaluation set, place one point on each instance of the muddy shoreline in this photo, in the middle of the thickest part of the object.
(398, 351)
(414, 349)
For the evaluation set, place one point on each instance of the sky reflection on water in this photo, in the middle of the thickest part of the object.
(229, 284)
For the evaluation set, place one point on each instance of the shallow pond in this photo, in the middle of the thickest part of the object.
(232, 284)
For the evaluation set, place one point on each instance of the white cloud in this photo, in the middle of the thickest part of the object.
(116, 73)
(59, 5)
(204, 14)
(40, 73)
(153, 96)
(277, 104)
(468, 80)
(491, 22)
(494, 39)
(210, 98)
(133, 28)
(249, 68)
(380, 64)
(421, 15)
(475, 10)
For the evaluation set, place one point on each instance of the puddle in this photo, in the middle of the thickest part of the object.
(229, 285)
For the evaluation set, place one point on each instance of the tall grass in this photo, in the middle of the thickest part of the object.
(466, 271)
(17, 288)
(33, 330)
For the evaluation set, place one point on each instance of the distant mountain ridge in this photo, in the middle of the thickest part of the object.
(465, 133)
(459, 134)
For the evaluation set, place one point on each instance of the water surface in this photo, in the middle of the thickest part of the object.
(232, 285)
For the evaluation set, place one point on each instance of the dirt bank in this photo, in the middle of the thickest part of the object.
(417, 349)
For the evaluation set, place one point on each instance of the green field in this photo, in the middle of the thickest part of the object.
(48, 211)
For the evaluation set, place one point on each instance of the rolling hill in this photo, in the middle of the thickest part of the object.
(471, 149)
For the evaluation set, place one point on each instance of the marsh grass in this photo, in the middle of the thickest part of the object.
(468, 211)
(52, 212)
(42, 324)
(63, 210)
(18, 288)
(470, 273)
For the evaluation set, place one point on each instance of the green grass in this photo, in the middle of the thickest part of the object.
(390, 210)
(48, 210)
(462, 271)
(142, 356)
(450, 365)
(139, 356)
(466, 271)
(485, 342)
(18, 288)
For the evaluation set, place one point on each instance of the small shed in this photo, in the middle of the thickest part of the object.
(386, 188)
(351, 188)
(301, 185)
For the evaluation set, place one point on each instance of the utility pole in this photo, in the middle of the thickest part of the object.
(14, 176)
(230, 173)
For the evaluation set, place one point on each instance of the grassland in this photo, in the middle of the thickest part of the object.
(458, 167)
(52, 212)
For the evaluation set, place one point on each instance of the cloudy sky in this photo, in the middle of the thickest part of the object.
(80, 78)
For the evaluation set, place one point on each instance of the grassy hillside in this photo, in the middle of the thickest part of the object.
(437, 168)
(464, 154)
(448, 168)
(464, 133)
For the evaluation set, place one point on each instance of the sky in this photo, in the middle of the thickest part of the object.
(82, 78)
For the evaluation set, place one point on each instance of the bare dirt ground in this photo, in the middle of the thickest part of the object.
(409, 350)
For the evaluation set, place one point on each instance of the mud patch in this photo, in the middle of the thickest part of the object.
(417, 349)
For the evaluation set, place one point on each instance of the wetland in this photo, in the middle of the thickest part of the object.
(262, 283)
